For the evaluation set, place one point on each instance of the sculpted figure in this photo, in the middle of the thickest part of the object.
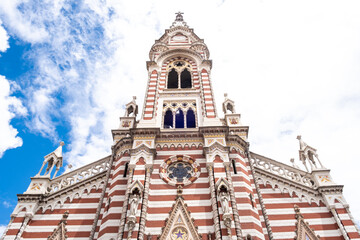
(224, 199)
(134, 202)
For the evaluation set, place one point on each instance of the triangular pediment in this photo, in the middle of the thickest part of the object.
(179, 225)
(303, 230)
(59, 233)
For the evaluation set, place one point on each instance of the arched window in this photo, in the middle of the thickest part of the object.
(126, 169)
(185, 79)
(168, 119)
(234, 166)
(179, 119)
(248, 237)
(173, 79)
(179, 74)
(190, 119)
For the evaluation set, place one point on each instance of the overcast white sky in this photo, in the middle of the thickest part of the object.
(292, 67)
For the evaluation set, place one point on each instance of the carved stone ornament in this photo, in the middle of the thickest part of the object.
(131, 108)
(303, 230)
(59, 233)
(179, 170)
(228, 105)
(308, 154)
(179, 225)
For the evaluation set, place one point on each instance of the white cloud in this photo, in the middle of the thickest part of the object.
(27, 26)
(2, 229)
(9, 107)
(4, 37)
(291, 67)
(6, 204)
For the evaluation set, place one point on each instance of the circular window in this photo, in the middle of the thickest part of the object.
(179, 170)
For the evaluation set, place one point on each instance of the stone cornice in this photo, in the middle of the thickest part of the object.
(29, 197)
(334, 189)
(180, 51)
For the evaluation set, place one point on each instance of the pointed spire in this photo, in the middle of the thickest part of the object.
(58, 151)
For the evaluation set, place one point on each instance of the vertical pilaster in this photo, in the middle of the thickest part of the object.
(23, 226)
(144, 203)
(338, 221)
(233, 202)
(261, 201)
(125, 206)
(214, 202)
(97, 214)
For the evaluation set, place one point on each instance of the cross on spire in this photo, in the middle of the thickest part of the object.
(179, 16)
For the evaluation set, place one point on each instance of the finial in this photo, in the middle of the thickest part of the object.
(179, 17)
(225, 95)
(134, 98)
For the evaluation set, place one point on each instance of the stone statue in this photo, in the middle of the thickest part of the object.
(307, 153)
(224, 200)
(134, 202)
(52, 159)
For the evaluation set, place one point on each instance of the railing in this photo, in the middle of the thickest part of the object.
(283, 170)
(78, 175)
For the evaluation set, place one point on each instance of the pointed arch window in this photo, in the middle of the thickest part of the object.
(185, 79)
(179, 119)
(173, 79)
(168, 119)
(179, 75)
(190, 119)
(179, 114)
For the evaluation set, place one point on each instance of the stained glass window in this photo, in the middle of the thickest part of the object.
(179, 170)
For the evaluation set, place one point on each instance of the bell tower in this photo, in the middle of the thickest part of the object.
(179, 92)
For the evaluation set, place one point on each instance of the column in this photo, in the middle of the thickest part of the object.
(214, 202)
(145, 203)
(233, 202)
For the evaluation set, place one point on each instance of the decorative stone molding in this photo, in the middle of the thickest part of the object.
(194, 172)
(303, 193)
(59, 233)
(302, 228)
(75, 191)
(142, 152)
(86, 172)
(282, 170)
(179, 225)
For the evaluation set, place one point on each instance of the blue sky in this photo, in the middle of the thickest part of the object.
(68, 67)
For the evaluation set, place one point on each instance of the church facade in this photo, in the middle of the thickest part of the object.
(182, 172)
